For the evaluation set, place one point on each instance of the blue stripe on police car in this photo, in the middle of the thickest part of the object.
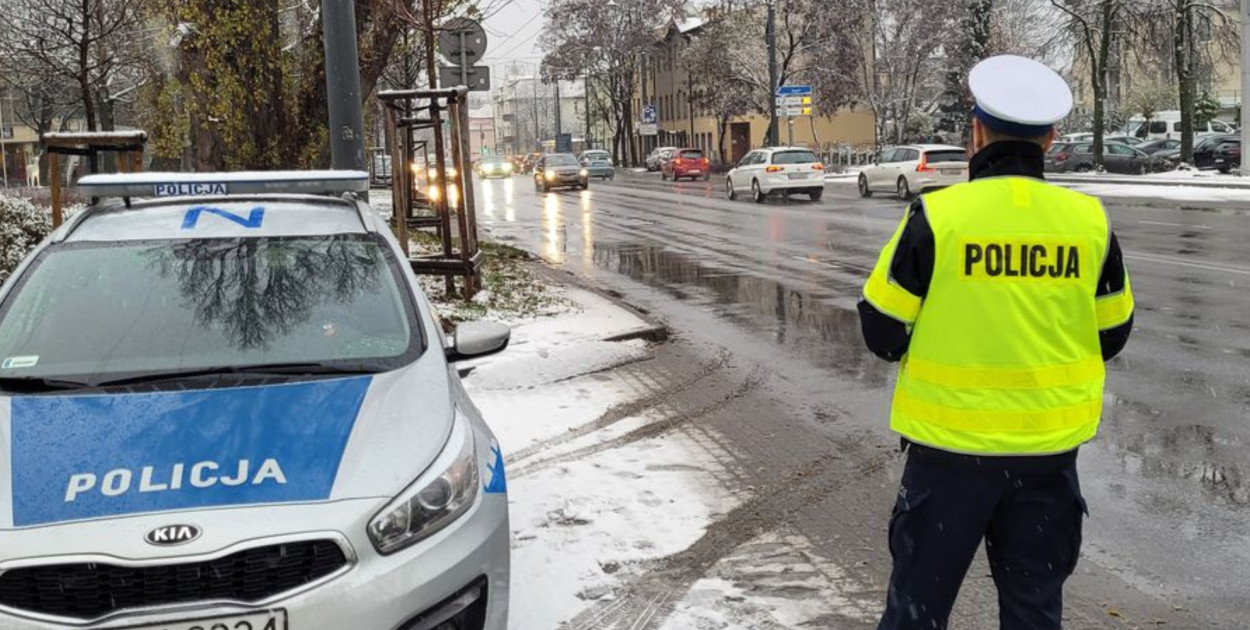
(80, 457)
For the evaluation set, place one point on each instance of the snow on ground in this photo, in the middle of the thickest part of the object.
(1163, 193)
(774, 582)
(581, 528)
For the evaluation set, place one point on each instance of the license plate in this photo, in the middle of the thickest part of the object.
(267, 620)
(695, 172)
(798, 175)
(1218, 160)
(951, 171)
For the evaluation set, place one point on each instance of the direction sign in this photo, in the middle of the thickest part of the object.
(477, 78)
(649, 114)
(794, 111)
(794, 101)
(794, 90)
(648, 129)
(450, 38)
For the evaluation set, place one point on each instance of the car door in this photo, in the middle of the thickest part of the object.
(1118, 158)
(878, 172)
(738, 174)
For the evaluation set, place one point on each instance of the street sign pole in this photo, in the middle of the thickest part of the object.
(1245, 78)
(347, 123)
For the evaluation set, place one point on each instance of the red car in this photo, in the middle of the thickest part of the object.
(690, 163)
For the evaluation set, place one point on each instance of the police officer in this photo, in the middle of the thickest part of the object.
(1000, 298)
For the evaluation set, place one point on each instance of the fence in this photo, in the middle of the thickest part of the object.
(842, 156)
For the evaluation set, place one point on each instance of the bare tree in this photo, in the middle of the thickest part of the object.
(606, 41)
(86, 43)
(1094, 25)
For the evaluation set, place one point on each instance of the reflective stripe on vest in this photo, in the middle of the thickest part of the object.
(1004, 355)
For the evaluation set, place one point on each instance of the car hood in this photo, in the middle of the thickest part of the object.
(108, 456)
(565, 170)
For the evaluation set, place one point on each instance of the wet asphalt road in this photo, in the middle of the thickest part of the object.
(1168, 478)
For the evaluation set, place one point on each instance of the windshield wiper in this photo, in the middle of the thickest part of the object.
(30, 384)
(273, 369)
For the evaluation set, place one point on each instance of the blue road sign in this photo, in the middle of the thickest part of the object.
(794, 90)
(648, 114)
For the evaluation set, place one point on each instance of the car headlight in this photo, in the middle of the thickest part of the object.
(431, 504)
(507, 167)
(550, 174)
(583, 172)
(433, 173)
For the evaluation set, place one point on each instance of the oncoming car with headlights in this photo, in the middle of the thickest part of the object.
(230, 405)
(560, 170)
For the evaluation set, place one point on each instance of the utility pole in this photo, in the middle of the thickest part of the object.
(1245, 78)
(642, 141)
(771, 34)
(559, 123)
(4, 154)
(586, 90)
(347, 122)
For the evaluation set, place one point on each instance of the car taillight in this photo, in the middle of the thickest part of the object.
(924, 167)
(676, 161)
(818, 167)
(774, 169)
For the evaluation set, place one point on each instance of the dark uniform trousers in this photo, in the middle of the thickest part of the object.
(1028, 510)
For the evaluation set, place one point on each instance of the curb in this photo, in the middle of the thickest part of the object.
(654, 330)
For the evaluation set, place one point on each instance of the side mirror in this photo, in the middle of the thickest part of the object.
(478, 339)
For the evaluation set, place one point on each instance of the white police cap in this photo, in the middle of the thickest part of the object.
(1019, 96)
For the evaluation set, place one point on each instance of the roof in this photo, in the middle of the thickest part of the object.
(218, 217)
(932, 147)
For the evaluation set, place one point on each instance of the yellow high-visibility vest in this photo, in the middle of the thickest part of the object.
(1004, 357)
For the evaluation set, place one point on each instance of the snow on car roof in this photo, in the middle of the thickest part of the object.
(219, 217)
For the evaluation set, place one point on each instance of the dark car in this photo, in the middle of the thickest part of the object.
(1204, 149)
(493, 166)
(1227, 155)
(1078, 157)
(1155, 146)
(528, 162)
(559, 170)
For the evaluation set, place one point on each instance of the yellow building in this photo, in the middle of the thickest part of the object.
(666, 84)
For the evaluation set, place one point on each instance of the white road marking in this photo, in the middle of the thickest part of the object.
(1164, 260)
(1179, 225)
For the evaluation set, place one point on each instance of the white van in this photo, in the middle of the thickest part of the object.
(1167, 125)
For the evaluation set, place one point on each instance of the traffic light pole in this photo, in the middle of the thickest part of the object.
(771, 34)
(347, 123)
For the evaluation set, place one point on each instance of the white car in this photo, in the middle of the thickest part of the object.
(784, 170)
(913, 169)
(231, 407)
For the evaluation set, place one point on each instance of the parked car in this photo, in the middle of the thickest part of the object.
(493, 166)
(1167, 125)
(913, 169)
(783, 170)
(241, 454)
(1078, 157)
(1227, 155)
(690, 163)
(1107, 138)
(1204, 151)
(656, 160)
(1155, 146)
(598, 162)
(1132, 141)
(560, 170)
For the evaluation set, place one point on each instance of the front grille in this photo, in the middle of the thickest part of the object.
(92, 590)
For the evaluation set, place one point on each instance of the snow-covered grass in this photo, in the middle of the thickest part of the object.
(1176, 193)
(22, 225)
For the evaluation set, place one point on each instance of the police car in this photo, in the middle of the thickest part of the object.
(225, 404)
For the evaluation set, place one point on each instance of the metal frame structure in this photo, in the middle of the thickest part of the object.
(127, 144)
(411, 111)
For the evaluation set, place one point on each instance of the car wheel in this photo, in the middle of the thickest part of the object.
(904, 190)
(1084, 168)
(729, 189)
(817, 193)
(863, 187)
(757, 194)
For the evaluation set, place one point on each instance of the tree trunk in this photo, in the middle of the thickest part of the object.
(1100, 79)
(1182, 41)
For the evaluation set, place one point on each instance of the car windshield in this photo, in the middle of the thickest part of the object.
(936, 157)
(794, 157)
(691, 155)
(597, 157)
(561, 159)
(492, 160)
(94, 312)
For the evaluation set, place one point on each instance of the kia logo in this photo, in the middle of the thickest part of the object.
(172, 535)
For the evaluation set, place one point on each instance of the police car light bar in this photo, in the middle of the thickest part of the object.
(217, 184)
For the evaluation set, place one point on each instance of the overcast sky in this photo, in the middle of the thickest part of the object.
(512, 31)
